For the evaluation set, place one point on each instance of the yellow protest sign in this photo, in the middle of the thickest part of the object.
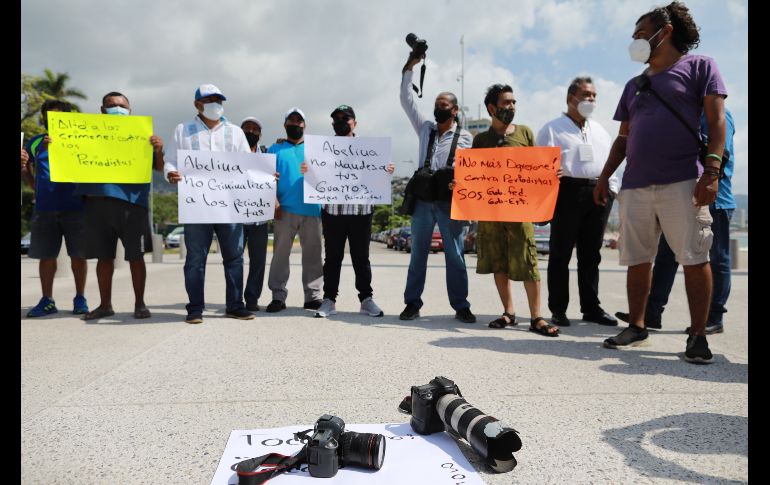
(99, 148)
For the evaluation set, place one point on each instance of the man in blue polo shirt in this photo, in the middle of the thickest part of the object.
(58, 213)
(292, 217)
(118, 211)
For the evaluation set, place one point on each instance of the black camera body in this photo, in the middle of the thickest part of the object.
(322, 449)
(439, 406)
(331, 448)
(419, 46)
(425, 416)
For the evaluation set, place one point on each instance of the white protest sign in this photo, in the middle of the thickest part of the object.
(225, 187)
(409, 458)
(347, 170)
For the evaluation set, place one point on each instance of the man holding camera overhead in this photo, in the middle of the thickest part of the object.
(438, 141)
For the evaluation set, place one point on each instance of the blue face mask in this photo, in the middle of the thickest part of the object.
(116, 110)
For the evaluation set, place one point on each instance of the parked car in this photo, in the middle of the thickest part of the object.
(542, 238)
(403, 235)
(436, 243)
(408, 244)
(393, 236)
(469, 245)
(25, 239)
(172, 240)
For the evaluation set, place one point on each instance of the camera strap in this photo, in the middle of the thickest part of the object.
(422, 78)
(644, 84)
(255, 471)
(451, 158)
(432, 148)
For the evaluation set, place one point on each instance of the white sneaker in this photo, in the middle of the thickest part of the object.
(369, 307)
(326, 309)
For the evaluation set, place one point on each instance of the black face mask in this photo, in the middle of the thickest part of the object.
(442, 115)
(341, 128)
(252, 139)
(294, 132)
(505, 115)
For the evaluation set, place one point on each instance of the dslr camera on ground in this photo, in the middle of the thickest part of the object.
(325, 452)
(331, 448)
(439, 406)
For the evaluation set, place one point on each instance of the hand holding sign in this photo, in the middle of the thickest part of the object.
(506, 184)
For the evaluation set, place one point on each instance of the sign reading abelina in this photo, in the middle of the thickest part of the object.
(347, 170)
(226, 187)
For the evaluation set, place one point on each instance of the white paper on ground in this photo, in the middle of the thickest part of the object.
(409, 458)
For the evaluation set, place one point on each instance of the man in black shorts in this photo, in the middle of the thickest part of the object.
(118, 211)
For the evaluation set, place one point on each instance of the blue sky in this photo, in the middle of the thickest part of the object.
(269, 55)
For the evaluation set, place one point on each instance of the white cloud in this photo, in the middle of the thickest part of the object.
(268, 56)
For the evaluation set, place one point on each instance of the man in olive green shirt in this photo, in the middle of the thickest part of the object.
(507, 249)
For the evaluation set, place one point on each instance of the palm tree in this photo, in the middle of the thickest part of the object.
(54, 86)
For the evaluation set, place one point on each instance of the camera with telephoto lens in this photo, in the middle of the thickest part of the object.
(331, 448)
(439, 406)
(419, 46)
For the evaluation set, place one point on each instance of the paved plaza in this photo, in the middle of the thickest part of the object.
(153, 401)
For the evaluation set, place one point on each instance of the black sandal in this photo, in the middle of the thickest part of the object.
(502, 323)
(543, 330)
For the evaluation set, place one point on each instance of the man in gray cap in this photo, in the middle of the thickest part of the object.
(292, 217)
(210, 131)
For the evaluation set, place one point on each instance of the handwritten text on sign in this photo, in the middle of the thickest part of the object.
(226, 187)
(506, 184)
(100, 148)
(409, 457)
(347, 170)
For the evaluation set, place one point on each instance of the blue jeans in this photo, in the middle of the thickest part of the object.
(720, 264)
(197, 240)
(426, 216)
(664, 271)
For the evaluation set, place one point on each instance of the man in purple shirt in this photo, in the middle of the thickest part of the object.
(662, 190)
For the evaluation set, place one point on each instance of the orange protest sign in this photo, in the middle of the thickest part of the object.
(506, 184)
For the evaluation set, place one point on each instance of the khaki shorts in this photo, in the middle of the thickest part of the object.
(507, 247)
(648, 211)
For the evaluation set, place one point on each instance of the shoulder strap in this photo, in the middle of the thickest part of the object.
(644, 84)
(431, 149)
(451, 158)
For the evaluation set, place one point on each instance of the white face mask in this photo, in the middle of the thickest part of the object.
(639, 50)
(213, 111)
(116, 110)
(586, 108)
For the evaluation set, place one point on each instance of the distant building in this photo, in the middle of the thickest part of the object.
(478, 126)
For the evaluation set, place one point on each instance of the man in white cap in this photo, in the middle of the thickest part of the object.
(252, 127)
(210, 131)
(254, 234)
(292, 217)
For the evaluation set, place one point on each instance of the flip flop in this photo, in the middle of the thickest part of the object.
(143, 312)
(98, 313)
(544, 329)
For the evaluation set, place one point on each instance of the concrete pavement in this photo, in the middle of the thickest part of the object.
(148, 401)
